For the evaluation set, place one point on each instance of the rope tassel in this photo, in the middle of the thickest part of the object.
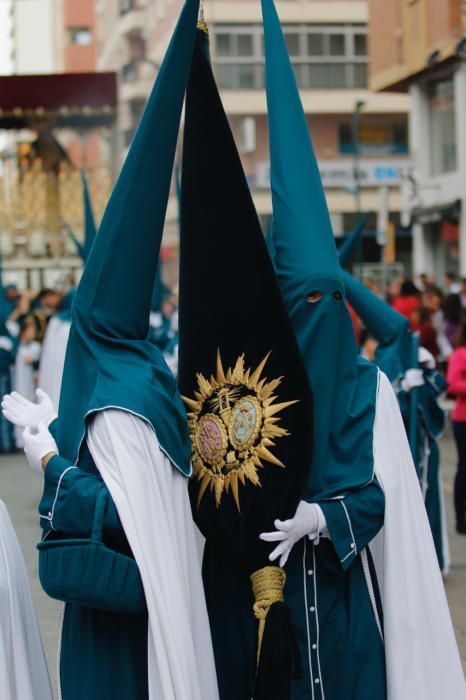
(277, 651)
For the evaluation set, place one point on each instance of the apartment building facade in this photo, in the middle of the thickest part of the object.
(419, 46)
(328, 45)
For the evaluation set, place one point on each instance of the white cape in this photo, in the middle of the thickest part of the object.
(52, 359)
(23, 670)
(420, 646)
(152, 500)
(24, 378)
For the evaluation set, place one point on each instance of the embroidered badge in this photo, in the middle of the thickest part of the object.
(233, 424)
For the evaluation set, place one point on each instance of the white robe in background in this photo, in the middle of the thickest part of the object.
(151, 497)
(53, 358)
(23, 670)
(23, 378)
(421, 652)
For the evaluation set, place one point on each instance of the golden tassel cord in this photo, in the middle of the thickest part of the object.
(268, 585)
(201, 23)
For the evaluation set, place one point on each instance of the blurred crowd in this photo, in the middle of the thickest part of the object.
(436, 311)
(34, 329)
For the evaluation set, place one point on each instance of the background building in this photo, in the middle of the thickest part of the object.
(354, 130)
(420, 47)
(52, 123)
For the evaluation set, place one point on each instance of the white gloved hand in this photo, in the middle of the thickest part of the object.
(27, 414)
(37, 445)
(6, 343)
(426, 358)
(413, 378)
(308, 520)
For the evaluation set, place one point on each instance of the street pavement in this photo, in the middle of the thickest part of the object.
(20, 489)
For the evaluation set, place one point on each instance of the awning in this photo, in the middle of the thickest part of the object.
(440, 212)
(75, 100)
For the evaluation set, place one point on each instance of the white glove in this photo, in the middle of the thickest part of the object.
(37, 445)
(27, 414)
(6, 343)
(308, 520)
(426, 358)
(413, 378)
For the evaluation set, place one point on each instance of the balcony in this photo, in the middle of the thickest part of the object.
(131, 17)
(136, 79)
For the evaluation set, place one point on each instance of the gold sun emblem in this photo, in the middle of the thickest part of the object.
(234, 423)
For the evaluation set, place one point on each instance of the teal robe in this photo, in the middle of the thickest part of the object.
(7, 358)
(431, 425)
(340, 646)
(103, 655)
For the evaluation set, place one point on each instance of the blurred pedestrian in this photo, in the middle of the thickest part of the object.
(422, 324)
(54, 348)
(452, 284)
(434, 302)
(408, 299)
(26, 366)
(452, 311)
(463, 292)
(456, 378)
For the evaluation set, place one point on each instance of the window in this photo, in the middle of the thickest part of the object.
(292, 42)
(125, 6)
(323, 56)
(360, 45)
(223, 42)
(337, 45)
(442, 140)
(315, 44)
(82, 36)
(245, 45)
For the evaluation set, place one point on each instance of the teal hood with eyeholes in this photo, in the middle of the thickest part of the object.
(109, 360)
(306, 261)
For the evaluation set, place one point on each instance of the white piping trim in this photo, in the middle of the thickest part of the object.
(138, 415)
(307, 619)
(348, 555)
(370, 588)
(50, 517)
(317, 621)
(350, 527)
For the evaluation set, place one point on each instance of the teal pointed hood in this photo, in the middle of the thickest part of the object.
(109, 361)
(299, 204)
(351, 239)
(389, 328)
(90, 228)
(308, 269)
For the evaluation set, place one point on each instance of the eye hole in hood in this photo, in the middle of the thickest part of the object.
(314, 297)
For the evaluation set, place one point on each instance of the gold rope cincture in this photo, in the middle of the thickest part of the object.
(201, 23)
(268, 585)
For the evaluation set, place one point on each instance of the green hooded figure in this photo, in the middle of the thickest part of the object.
(363, 582)
(396, 355)
(119, 545)
(330, 584)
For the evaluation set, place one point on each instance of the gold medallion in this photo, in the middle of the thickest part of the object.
(234, 424)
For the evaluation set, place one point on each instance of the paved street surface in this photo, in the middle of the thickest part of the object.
(20, 490)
